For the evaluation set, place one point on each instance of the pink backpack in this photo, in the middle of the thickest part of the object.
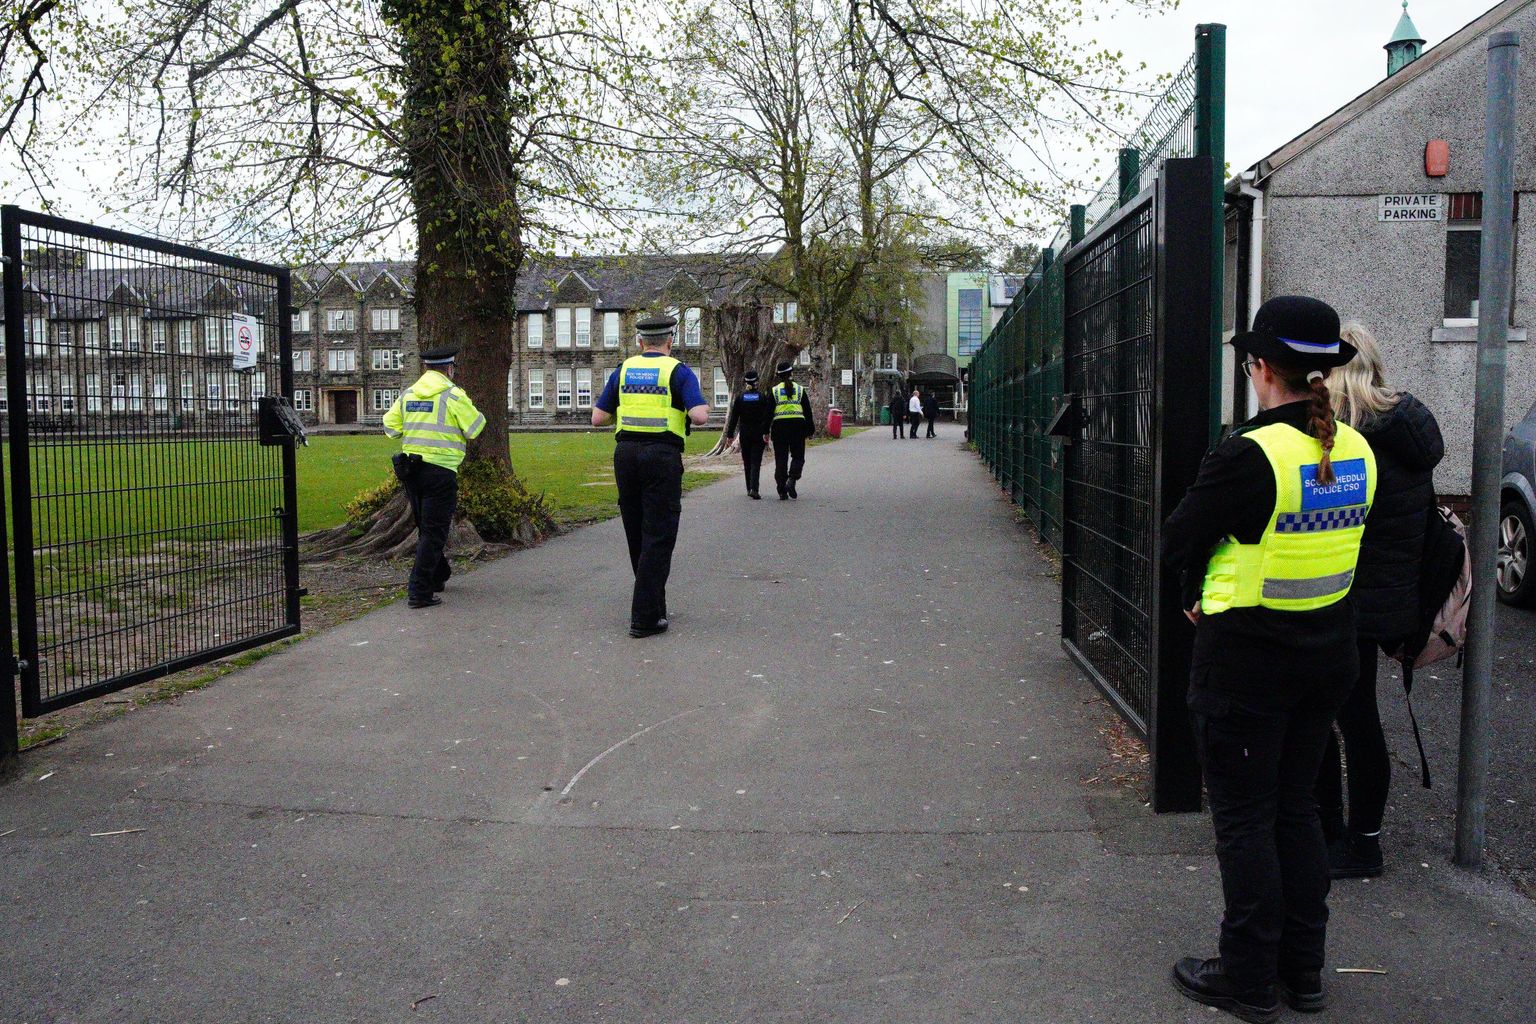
(1445, 596)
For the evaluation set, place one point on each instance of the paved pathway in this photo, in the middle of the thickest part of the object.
(849, 786)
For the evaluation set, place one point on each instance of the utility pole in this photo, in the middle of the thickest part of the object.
(1487, 443)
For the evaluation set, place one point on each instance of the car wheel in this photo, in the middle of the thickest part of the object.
(1516, 533)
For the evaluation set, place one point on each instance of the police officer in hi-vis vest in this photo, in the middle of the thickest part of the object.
(1267, 540)
(655, 398)
(752, 413)
(436, 421)
(792, 424)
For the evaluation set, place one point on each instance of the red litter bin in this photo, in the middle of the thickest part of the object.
(834, 422)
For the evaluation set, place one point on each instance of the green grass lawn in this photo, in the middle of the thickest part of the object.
(574, 470)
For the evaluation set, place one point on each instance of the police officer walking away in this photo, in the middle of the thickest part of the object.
(792, 424)
(898, 408)
(753, 413)
(655, 399)
(1267, 540)
(436, 421)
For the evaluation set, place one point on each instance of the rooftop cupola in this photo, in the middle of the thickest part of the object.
(1405, 46)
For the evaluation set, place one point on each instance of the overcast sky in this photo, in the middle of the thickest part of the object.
(1290, 63)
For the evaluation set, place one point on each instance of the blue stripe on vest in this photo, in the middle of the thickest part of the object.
(1314, 522)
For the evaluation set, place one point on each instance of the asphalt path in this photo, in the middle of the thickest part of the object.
(855, 782)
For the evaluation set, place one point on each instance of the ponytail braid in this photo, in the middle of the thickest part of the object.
(1320, 425)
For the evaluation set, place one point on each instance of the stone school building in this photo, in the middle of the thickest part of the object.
(1378, 210)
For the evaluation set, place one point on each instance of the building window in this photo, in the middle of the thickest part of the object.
(186, 392)
(158, 392)
(258, 389)
(968, 322)
(37, 393)
(304, 360)
(63, 337)
(92, 393)
(301, 322)
(535, 389)
(511, 390)
(722, 389)
(693, 334)
(123, 332)
(67, 394)
(341, 360)
(386, 359)
(215, 390)
(218, 334)
(584, 327)
(563, 328)
(562, 388)
(35, 333)
(232, 391)
(885, 361)
(786, 312)
(535, 330)
(805, 357)
(387, 319)
(383, 398)
(157, 334)
(610, 330)
(341, 320)
(584, 387)
(302, 401)
(183, 336)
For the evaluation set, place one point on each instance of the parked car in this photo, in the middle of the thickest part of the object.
(1517, 514)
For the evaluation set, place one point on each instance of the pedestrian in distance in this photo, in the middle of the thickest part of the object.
(898, 407)
(655, 400)
(1267, 541)
(752, 413)
(435, 421)
(792, 425)
(914, 413)
(1406, 439)
(931, 411)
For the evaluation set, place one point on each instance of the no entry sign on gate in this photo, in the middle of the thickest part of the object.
(247, 341)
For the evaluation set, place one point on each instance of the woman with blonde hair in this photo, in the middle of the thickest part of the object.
(1406, 440)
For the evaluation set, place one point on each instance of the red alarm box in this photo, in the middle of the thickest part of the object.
(1437, 158)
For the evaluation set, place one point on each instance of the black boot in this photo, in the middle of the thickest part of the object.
(1303, 991)
(792, 492)
(1356, 856)
(1204, 982)
(1333, 822)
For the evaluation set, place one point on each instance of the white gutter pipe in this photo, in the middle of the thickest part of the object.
(1256, 218)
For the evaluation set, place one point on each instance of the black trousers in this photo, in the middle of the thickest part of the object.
(752, 461)
(898, 426)
(1365, 750)
(788, 453)
(931, 420)
(650, 479)
(914, 420)
(434, 494)
(1261, 754)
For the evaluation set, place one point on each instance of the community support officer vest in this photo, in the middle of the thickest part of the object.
(787, 401)
(434, 420)
(645, 398)
(1306, 557)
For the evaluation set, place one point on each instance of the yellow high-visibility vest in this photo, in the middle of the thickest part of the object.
(435, 419)
(1306, 557)
(645, 398)
(787, 401)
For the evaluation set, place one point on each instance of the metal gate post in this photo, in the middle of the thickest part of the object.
(1182, 413)
(21, 465)
(10, 252)
(1211, 142)
(290, 512)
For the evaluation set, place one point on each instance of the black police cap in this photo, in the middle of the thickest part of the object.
(751, 376)
(1296, 331)
(441, 355)
(785, 368)
(656, 327)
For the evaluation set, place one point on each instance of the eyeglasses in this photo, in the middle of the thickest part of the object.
(1248, 367)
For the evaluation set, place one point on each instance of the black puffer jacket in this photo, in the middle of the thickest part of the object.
(1408, 446)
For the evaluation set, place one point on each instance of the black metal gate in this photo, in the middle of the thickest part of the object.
(154, 523)
(1137, 362)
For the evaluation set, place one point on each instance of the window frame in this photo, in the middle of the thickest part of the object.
(565, 388)
(584, 376)
(536, 388)
(613, 340)
(346, 316)
(563, 318)
(722, 399)
(582, 335)
(384, 319)
(535, 339)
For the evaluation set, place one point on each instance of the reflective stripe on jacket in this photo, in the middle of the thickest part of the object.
(1306, 557)
(435, 419)
(787, 403)
(645, 398)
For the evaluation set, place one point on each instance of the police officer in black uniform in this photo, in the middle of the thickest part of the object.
(1267, 540)
(752, 411)
(792, 424)
(656, 400)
